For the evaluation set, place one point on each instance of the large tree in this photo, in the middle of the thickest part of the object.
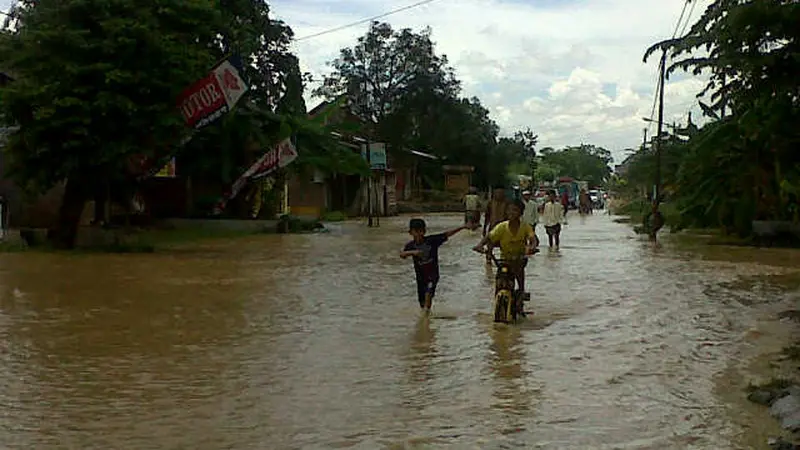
(386, 69)
(394, 78)
(96, 81)
(584, 162)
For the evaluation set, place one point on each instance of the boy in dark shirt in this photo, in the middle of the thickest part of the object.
(425, 251)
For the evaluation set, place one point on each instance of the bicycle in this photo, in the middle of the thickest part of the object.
(509, 302)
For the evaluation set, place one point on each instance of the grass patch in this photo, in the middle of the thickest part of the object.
(12, 246)
(334, 216)
(636, 210)
(131, 241)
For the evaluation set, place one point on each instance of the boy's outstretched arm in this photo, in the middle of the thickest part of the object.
(406, 253)
(483, 243)
(455, 231)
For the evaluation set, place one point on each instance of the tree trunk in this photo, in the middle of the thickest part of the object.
(69, 215)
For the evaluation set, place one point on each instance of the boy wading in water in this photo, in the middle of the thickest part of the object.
(516, 240)
(425, 251)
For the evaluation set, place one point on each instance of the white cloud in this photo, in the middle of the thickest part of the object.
(572, 70)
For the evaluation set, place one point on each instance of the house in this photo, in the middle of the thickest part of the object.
(458, 179)
(314, 192)
(409, 183)
(621, 169)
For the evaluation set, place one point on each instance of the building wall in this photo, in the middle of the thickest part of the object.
(457, 182)
(308, 195)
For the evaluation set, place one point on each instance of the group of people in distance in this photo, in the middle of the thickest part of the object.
(509, 224)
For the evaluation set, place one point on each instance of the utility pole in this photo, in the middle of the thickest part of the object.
(662, 75)
(365, 115)
(656, 219)
(644, 140)
(369, 185)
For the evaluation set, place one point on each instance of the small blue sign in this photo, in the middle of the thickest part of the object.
(377, 155)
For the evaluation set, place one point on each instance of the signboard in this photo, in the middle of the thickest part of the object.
(281, 156)
(209, 98)
(168, 171)
(377, 155)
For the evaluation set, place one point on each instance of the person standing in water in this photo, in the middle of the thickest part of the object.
(552, 218)
(472, 207)
(531, 213)
(496, 212)
(565, 201)
(424, 249)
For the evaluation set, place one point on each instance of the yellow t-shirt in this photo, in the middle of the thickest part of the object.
(512, 246)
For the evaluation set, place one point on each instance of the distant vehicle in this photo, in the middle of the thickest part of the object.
(597, 198)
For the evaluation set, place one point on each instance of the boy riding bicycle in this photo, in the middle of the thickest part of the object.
(516, 240)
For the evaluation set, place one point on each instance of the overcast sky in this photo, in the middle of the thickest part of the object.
(571, 70)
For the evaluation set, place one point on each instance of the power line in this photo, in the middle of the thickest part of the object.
(689, 17)
(680, 19)
(659, 85)
(367, 20)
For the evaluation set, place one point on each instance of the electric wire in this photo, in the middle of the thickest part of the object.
(659, 84)
(367, 20)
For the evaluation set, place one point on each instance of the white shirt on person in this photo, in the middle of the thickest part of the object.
(531, 214)
(553, 214)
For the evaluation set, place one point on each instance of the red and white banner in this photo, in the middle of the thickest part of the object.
(280, 156)
(212, 96)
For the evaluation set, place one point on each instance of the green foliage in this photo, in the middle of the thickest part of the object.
(387, 69)
(96, 81)
(584, 162)
(266, 115)
(744, 165)
(396, 78)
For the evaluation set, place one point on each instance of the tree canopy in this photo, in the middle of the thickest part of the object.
(96, 83)
(744, 164)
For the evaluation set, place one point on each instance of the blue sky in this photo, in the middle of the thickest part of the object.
(570, 69)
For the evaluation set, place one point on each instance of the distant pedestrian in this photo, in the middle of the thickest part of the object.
(496, 210)
(531, 213)
(552, 218)
(472, 207)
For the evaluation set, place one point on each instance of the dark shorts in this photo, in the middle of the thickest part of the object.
(472, 216)
(555, 229)
(425, 287)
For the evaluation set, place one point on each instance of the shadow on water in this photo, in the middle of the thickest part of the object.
(512, 396)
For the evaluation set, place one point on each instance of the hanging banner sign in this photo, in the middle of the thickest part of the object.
(211, 97)
(281, 156)
(202, 103)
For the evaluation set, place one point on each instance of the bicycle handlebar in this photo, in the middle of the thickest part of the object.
(497, 262)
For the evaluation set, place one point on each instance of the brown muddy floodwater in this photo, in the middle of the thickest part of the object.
(316, 341)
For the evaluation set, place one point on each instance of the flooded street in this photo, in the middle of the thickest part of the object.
(316, 341)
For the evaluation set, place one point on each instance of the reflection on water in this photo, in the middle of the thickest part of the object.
(316, 341)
